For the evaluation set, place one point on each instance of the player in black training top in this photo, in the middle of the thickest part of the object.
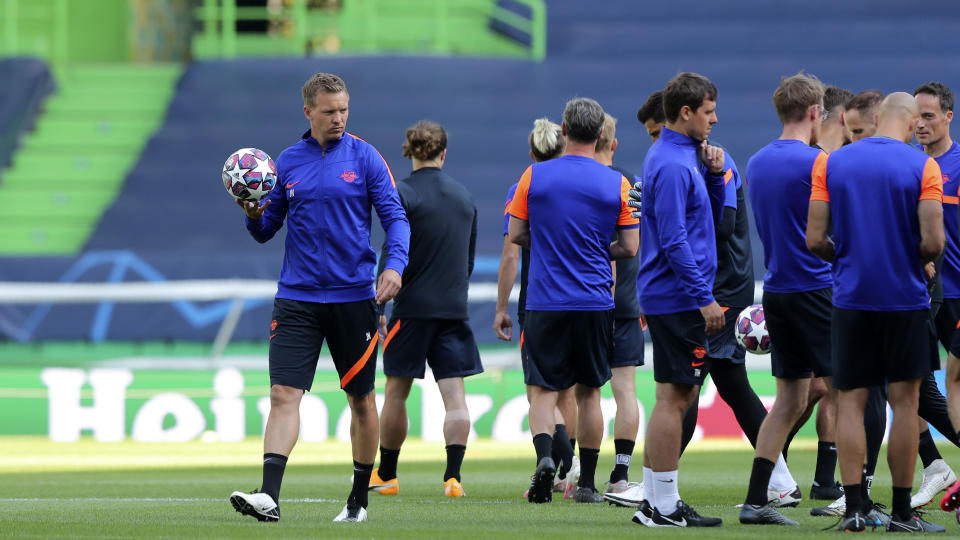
(429, 319)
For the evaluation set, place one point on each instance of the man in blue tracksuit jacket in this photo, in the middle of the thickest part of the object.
(326, 185)
(678, 262)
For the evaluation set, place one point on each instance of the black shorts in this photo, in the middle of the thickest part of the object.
(627, 343)
(873, 347)
(724, 344)
(679, 347)
(799, 328)
(297, 332)
(948, 323)
(446, 344)
(563, 348)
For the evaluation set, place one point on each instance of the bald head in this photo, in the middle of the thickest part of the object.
(898, 116)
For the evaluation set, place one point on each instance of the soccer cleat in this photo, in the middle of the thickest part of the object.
(256, 504)
(644, 514)
(558, 485)
(854, 523)
(876, 517)
(683, 516)
(835, 509)
(351, 515)
(826, 493)
(383, 487)
(786, 498)
(452, 488)
(630, 497)
(914, 524)
(751, 514)
(541, 483)
(936, 478)
(587, 495)
(571, 480)
(616, 487)
(951, 499)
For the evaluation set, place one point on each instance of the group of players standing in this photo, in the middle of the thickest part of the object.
(852, 303)
(852, 336)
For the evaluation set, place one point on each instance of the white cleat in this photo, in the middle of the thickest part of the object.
(255, 504)
(936, 478)
(835, 509)
(570, 481)
(630, 497)
(784, 498)
(351, 516)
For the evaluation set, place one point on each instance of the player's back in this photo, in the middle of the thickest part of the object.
(779, 183)
(442, 237)
(874, 187)
(574, 204)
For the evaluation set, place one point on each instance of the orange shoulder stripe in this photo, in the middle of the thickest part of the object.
(387, 165)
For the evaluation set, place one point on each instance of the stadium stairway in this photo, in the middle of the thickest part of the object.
(72, 166)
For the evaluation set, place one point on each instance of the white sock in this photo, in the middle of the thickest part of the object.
(781, 479)
(665, 492)
(648, 485)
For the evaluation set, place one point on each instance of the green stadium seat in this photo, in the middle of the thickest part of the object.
(69, 170)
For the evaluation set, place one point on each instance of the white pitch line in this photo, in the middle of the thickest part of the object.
(147, 499)
(196, 500)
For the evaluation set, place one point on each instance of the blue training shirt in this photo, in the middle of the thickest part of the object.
(325, 196)
(779, 177)
(678, 249)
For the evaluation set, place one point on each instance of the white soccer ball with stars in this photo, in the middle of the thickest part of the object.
(249, 174)
(751, 330)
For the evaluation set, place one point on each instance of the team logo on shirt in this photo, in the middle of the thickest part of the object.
(699, 352)
(349, 176)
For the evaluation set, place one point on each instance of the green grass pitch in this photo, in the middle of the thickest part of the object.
(138, 490)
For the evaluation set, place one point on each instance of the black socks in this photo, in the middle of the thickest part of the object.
(927, 449)
(826, 464)
(361, 483)
(543, 443)
(759, 479)
(562, 451)
(273, 467)
(388, 463)
(621, 463)
(588, 467)
(454, 460)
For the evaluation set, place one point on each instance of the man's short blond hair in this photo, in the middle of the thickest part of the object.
(608, 134)
(327, 83)
(795, 95)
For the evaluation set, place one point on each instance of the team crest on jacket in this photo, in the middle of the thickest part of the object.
(700, 352)
(348, 176)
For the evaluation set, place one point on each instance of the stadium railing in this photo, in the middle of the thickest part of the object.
(237, 290)
(373, 26)
(52, 16)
